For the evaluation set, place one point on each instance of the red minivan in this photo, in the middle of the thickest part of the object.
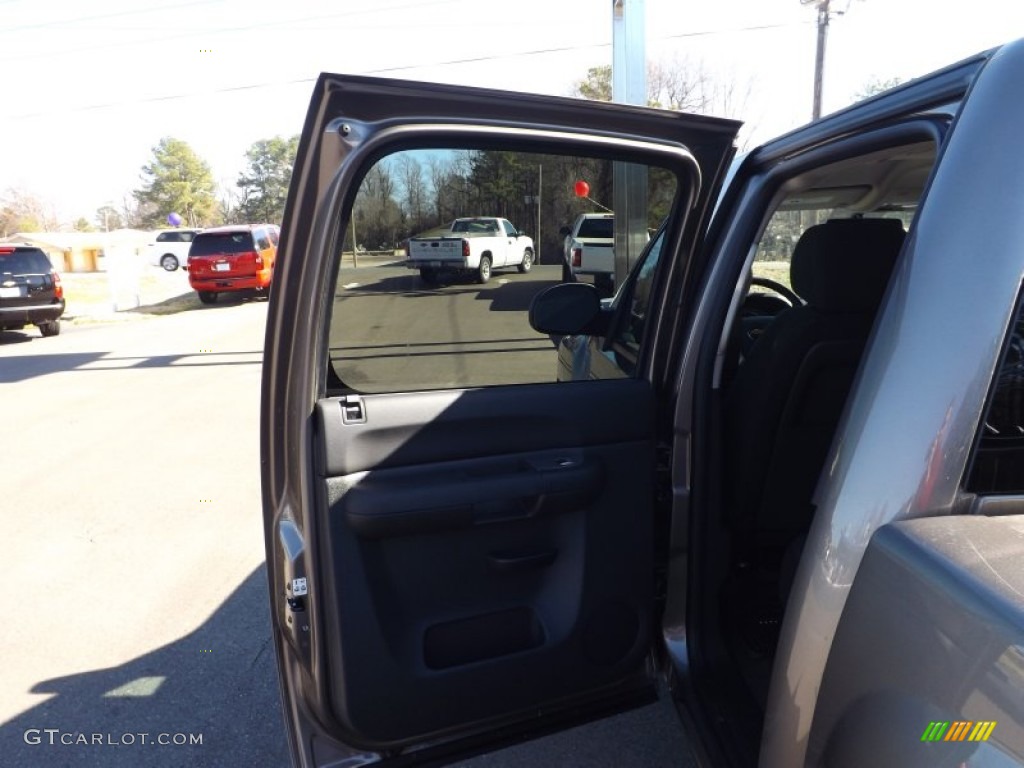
(239, 257)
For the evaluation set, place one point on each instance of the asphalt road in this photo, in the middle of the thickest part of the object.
(136, 601)
(134, 554)
(390, 328)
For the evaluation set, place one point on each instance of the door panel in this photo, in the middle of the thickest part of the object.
(478, 570)
(932, 636)
(459, 548)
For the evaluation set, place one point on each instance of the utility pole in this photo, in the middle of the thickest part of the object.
(824, 14)
(819, 58)
(540, 193)
(629, 180)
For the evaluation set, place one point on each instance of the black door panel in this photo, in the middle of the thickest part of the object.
(489, 583)
(474, 492)
(404, 430)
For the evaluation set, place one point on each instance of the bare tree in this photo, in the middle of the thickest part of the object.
(22, 211)
(876, 85)
(410, 174)
(440, 174)
(377, 214)
(678, 83)
(133, 213)
(108, 218)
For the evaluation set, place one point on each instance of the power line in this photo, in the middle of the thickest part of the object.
(206, 34)
(758, 28)
(133, 12)
(164, 97)
(570, 48)
(378, 71)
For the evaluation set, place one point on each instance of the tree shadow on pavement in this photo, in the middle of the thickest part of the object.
(514, 296)
(218, 682)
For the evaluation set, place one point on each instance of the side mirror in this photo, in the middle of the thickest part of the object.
(565, 231)
(568, 309)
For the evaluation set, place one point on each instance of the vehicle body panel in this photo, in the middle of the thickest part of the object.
(946, 645)
(170, 244)
(942, 323)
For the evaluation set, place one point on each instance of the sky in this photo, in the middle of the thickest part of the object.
(89, 89)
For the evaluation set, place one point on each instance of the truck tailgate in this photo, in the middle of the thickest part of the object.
(598, 256)
(436, 249)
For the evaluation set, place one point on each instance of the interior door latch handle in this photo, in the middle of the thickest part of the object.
(352, 410)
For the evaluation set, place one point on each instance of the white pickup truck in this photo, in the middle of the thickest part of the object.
(473, 245)
(589, 249)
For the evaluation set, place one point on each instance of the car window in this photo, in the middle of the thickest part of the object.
(479, 226)
(638, 296)
(221, 242)
(775, 248)
(598, 228)
(262, 240)
(433, 322)
(24, 262)
(999, 458)
(509, 229)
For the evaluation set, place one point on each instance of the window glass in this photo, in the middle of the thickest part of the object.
(639, 297)
(24, 262)
(413, 307)
(775, 248)
(603, 228)
(999, 459)
(214, 243)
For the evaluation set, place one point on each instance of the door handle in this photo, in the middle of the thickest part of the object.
(506, 562)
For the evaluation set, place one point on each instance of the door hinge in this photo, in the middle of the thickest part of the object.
(352, 410)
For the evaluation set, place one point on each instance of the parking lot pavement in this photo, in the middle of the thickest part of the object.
(132, 516)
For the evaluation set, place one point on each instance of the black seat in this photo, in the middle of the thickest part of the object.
(784, 404)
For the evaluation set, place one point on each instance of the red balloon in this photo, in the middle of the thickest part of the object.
(582, 189)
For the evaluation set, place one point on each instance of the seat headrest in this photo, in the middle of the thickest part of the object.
(844, 265)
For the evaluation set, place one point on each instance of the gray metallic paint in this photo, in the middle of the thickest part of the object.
(933, 630)
(902, 447)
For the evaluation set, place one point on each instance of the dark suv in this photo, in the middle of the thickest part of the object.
(30, 290)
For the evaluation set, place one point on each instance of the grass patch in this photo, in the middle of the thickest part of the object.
(93, 294)
(170, 306)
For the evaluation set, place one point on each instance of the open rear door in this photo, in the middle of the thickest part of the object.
(459, 548)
